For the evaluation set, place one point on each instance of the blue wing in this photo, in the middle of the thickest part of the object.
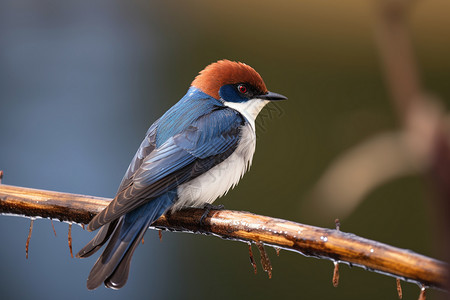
(174, 121)
(203, 144)
(146, 147)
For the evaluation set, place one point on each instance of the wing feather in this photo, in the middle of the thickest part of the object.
(208, 141)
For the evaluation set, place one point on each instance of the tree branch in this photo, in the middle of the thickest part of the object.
(242, 226)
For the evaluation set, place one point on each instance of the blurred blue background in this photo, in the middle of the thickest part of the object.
(81, 81)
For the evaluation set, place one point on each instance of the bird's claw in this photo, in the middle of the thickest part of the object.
(208, 207)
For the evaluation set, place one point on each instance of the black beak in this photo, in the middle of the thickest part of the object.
(271, 96)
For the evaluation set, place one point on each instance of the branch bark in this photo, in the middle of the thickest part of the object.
(242, 226)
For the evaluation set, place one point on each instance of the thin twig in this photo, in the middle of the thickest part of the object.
(69, 239)
(242, 226)
(277, 250)
(338, 224)
(252, 259)
(336, 274)
(265, 261)
(423, 295)
(53, 227)
(399, 288)
(30, 232)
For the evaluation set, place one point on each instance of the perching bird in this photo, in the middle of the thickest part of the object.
(193, 154)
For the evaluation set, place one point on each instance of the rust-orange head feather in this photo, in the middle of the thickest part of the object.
(224, 72)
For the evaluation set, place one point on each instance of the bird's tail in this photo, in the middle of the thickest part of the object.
(113, 265)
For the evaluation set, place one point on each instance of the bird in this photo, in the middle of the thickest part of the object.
(192, 155)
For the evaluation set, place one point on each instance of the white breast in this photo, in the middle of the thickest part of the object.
(216, 182)
(249, 109)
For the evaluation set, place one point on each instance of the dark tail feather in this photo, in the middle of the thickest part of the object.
(97, 242)
(113, 265)
(120, 274)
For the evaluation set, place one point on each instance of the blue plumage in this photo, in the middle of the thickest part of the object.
(230, 93)
(193, 105)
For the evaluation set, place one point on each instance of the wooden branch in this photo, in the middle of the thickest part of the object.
(242, 226)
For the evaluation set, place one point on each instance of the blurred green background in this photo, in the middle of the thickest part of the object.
(81, 81)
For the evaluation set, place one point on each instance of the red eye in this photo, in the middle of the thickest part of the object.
(242, 88)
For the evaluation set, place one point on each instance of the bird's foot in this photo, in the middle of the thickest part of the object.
(208, 207)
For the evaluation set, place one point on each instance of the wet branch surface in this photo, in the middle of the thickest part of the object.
(242, 226)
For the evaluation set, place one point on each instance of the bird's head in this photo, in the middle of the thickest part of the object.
(237, 85)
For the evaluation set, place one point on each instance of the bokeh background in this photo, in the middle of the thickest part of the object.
(81, 81)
